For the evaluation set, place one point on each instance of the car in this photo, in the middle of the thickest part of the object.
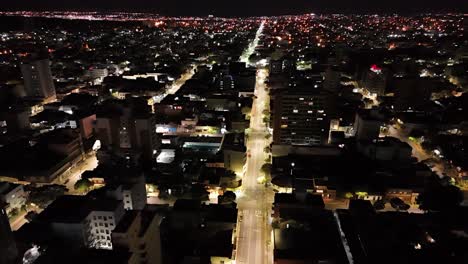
(405, 207)
(379, 205)
(396, 202)
(399, 204)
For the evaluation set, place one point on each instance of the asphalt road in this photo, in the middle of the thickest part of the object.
(255, 203)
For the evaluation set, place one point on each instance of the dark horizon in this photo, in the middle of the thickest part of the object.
(242, 8)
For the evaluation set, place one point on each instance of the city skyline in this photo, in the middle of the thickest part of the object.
(243, 7)
(192, 134)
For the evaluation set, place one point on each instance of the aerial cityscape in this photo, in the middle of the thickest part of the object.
(313, 137)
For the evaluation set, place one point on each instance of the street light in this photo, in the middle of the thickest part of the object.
(292, 167)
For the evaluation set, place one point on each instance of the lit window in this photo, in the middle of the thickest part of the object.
(295, 111)
(301, 99)
(310, 111)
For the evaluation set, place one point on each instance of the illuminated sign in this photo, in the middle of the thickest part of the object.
(376, 68)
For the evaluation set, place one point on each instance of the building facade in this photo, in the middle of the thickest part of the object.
(299, 117)
(38, 80)
(127, 130)
(13, 195)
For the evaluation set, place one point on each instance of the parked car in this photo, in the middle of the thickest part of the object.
(399, 204)
(379, 205)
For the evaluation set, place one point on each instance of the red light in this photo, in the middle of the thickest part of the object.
(375, 68)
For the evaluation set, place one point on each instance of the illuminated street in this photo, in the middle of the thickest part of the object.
(18, 222)
(255, 133)
(245, 57)
(255, 204)
(71, 176)
(418, 151)
(179, 82)
(253, 245)
(175, 86)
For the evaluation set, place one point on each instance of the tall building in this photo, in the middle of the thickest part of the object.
(82, 221)
(375, 80)
(367, 124)
(125, 127)
(126, 183)
(276, 67)
(38, 81)
(412, 92)
(139, 233)
(332, 79)
(8, 250)
(17, 120)
(226, 82)
(299, 116)
(236, 67)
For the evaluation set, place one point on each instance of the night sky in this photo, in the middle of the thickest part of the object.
(243, 7)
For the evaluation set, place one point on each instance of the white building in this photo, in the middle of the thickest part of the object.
(99, 228)
(97, 74)
(13, 195)
(83, 221)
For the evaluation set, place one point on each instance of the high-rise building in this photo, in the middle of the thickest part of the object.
(226, 82)
(412, 92)
(276, 67)
(126, 127)
(299, 116)
(38, 81)
(82, 221)
(8, 250)
(375, 80)
(367, 124)
(17, 120)
(236, 67)
(332, 79)
(139, 233)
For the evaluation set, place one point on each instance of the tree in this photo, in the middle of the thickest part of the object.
(246, 110)
(437, 197)
(43, 196)
(230, 174)
(267, 136)
(83, 185)
(228, 197)
(267, 149)
(13, 213)
(266, 168)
